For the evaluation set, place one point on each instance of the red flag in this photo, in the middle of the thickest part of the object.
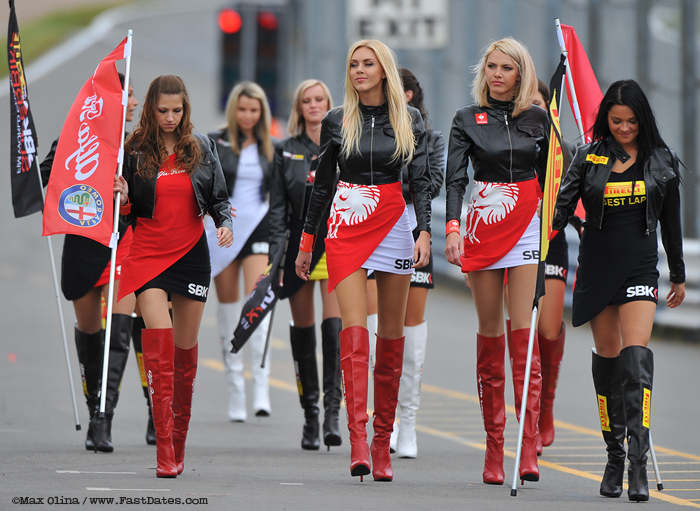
(79, 196)
(588, 91)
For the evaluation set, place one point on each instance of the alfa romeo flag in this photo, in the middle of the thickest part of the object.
(79, 196)
(555, 169)
(24, 175)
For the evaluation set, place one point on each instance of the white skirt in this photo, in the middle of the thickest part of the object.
(525, 251)
(395, 253)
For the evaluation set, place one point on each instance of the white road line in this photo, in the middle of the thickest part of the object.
(125, 489)
(88, 472)
(291, 484)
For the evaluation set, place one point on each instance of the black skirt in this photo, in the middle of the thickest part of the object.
(292, 283)
(615, 266)
(189, 276)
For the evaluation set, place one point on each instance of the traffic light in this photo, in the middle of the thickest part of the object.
(230, 23)
(251, 38)
(267, 55)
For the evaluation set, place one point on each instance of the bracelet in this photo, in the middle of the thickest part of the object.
(125, 208)
(452, 226)
(307, 242)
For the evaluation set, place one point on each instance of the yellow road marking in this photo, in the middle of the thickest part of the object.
(217, 365)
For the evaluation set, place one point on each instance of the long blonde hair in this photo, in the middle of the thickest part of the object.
(393, 91)
(262, 128)
(297, 123)
(526, 86)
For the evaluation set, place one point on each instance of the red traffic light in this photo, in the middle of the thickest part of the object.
(230, 21)
(268, 20)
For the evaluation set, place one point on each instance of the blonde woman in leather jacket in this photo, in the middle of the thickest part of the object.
(370, 138)
(505, 137)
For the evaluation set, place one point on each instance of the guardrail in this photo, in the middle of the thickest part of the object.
(685, 318)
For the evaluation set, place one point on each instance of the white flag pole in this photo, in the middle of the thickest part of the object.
(115, 229)
(523, 402)
(570, 80)
(57, 294)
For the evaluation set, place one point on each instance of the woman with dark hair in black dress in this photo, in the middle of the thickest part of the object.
(628, 180)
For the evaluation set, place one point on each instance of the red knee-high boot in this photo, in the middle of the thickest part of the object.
(354, 366)
(158, 358)
(551, 353)
(517, 345)
(491, 381)
(387, 376)
(185, 372)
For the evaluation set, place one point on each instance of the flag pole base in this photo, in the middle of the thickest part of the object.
(102, 415)
(513, 493)
(660, 486)
(78, 427)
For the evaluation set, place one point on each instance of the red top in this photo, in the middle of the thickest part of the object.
(161, 241)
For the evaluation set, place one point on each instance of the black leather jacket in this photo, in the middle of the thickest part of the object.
(290, 169)
(586, 180)
(502, 148)
(373, 165)
(207, 181)
(229, 162)
(436, 163)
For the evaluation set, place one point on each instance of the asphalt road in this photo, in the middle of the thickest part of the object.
(259, 464)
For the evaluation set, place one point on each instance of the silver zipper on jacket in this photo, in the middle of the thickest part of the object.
(371, 155)
(510, 141)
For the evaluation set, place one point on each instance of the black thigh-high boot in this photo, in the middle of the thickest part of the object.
(90, 348)
(119, 345)
(637, 380)
(607, 379)
(136, 328)
(303, 342)
(332, 391)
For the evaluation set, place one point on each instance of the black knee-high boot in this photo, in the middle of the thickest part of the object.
(90, 349)
(139, 325)
(303, 342)
(332, 391)
(607, 379)
(637, 380)
(119, 346)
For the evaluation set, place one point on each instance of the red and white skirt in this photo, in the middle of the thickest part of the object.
(360, 222)
(502, 226)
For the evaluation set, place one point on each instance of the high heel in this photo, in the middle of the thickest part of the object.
(608, 386)
(136, 328)
(185, 373)
(491, 380)
(332, 393)
(90, 349)
(354, 364)
(303, 341)
(158, 356)
(387, 376)
(409, 390)
(517, 346)
(637, 381)
(551, 353)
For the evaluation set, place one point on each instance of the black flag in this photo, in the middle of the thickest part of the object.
(259, 302)
(26, 188)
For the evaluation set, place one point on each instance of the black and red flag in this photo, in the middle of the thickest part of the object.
(24, 174)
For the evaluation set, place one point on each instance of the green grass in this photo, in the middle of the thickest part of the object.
(42, 34)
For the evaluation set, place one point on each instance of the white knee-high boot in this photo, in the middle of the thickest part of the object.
(227, 315)
(372, 329)
(409, 390)
(261, 375)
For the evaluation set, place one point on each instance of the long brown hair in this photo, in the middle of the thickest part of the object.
(146, 137)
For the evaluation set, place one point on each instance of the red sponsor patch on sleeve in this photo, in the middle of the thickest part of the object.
(481, 118)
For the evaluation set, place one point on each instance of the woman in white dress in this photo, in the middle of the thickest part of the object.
(246, 151)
